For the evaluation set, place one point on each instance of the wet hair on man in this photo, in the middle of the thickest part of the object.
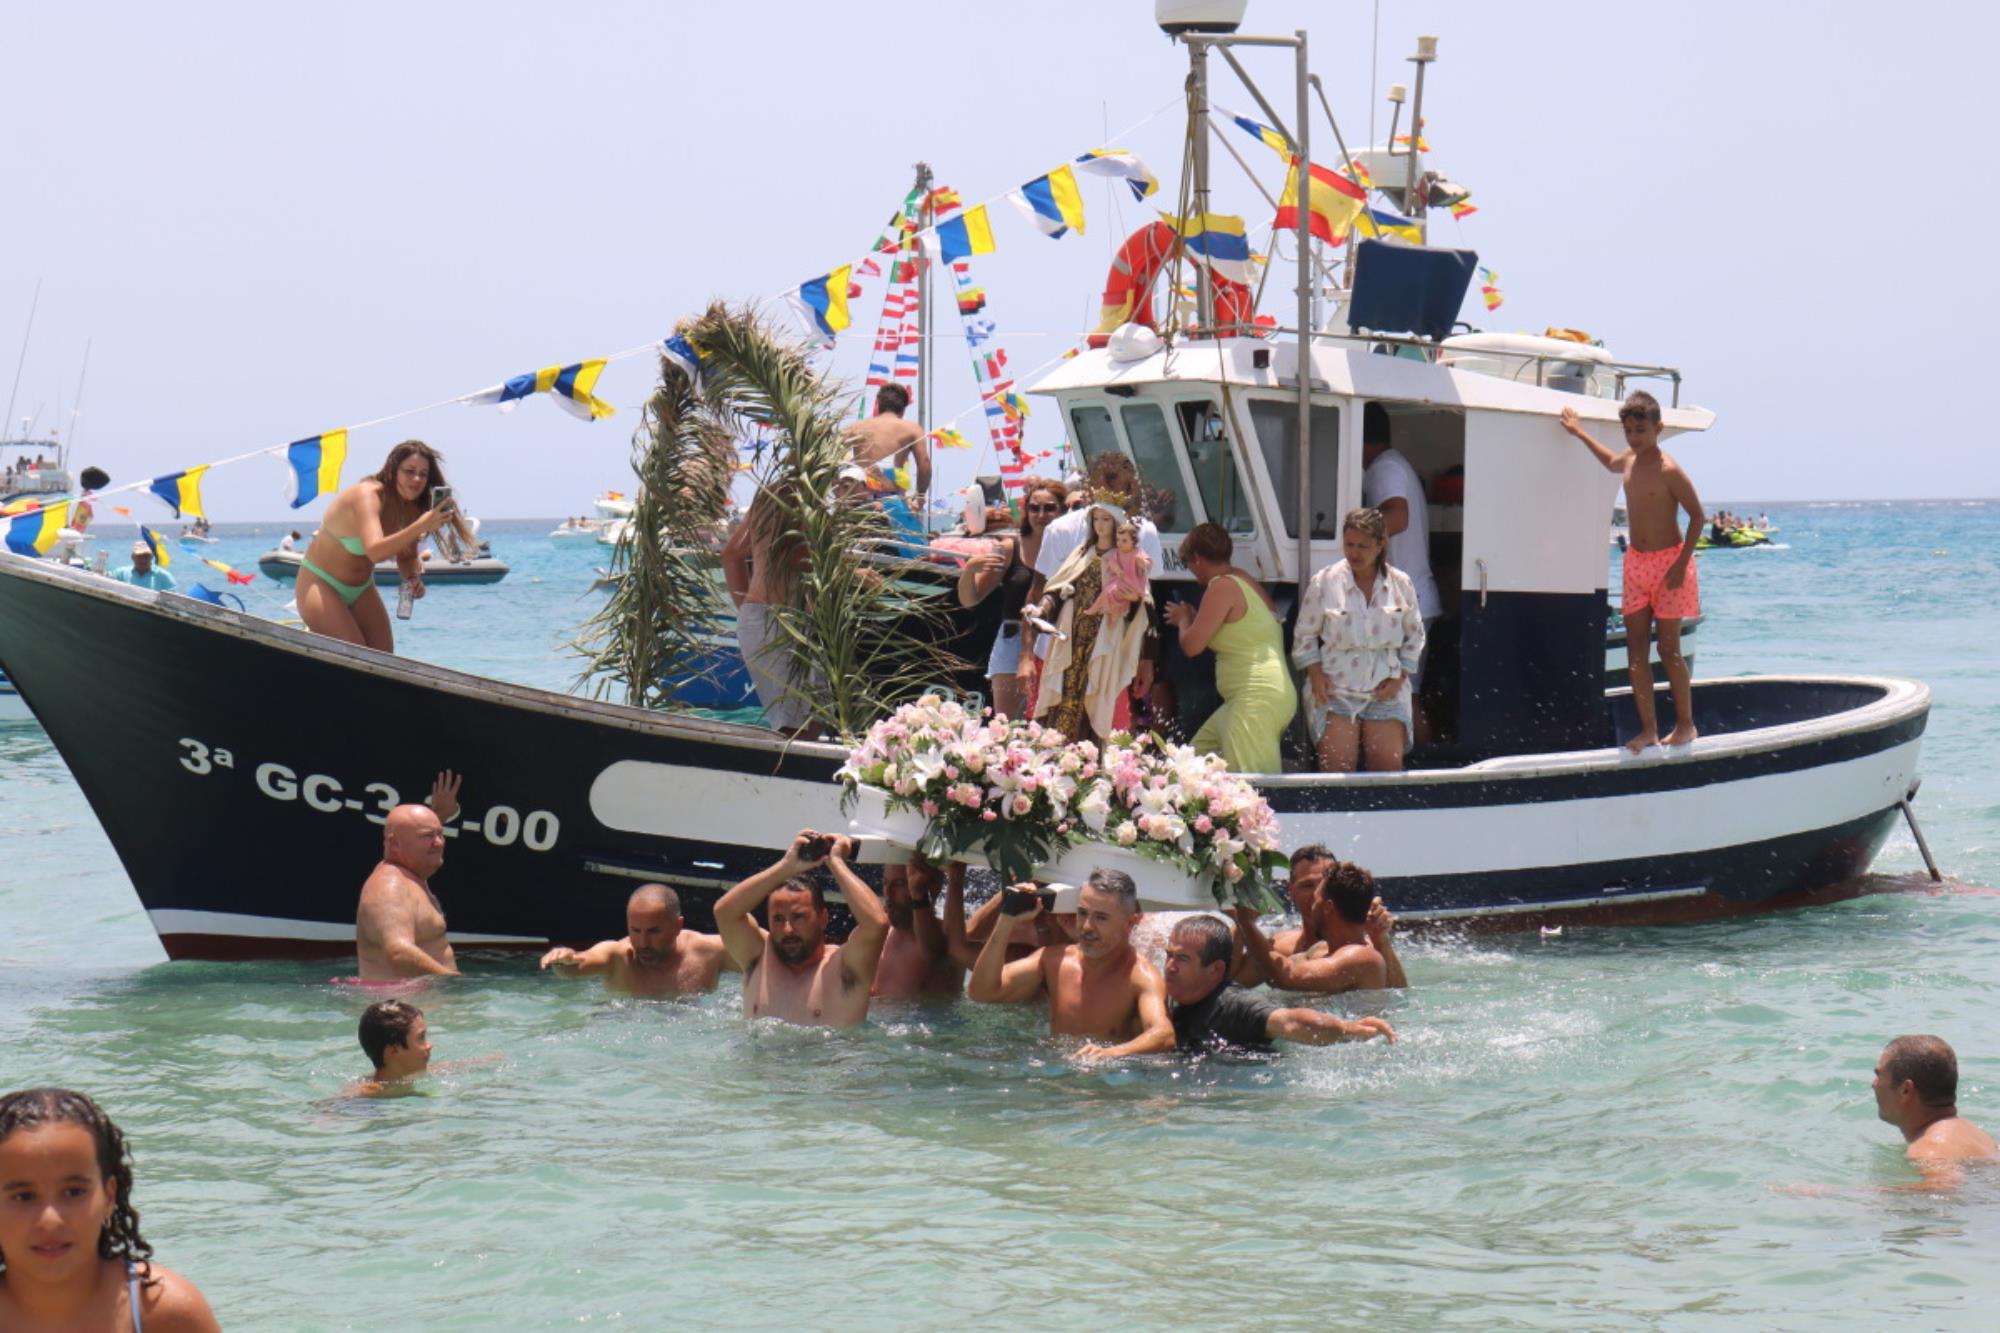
(1349, 890)
(1927, 1063)
(1118, 884)
(892, 398)
(384, 1024)
(1213, 940)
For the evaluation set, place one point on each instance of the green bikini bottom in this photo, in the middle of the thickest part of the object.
(349, 593)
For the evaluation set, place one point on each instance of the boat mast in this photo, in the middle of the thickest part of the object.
(1427, 51)
(75, 411)
(1300, 139)
(7, 422)
(1204, 284)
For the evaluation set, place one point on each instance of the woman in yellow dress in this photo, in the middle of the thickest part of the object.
(1238, 621)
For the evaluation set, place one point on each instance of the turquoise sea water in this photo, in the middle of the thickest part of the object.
(1618, 1128)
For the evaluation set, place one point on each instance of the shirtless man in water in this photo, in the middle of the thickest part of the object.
(917, 961)
(1660, 578)
(886, 437)
(655, 957)
(1916, 1090)
(790, 973)
(399, 928)
(1357, 949)
(1098, 987)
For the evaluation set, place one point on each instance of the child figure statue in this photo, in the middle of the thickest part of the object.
(1127, 573)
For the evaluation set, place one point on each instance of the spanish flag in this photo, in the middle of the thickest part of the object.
(161, 557)
(822, 303)
(1334, 203)
(181, 491)
(1052, 203)
(34, 532)
(968, 234)
(316, 464)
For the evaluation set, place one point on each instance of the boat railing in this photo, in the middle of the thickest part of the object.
(1623, 370)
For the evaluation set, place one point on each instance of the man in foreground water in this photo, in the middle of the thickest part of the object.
(656, 955)
(790, 973)
(1098, 987)
(917, 961)
(1211, 1013)
(1916, 1090)
(1359, 934)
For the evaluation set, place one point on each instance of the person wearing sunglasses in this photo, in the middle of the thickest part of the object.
(1010, 571)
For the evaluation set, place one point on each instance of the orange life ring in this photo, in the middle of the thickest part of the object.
(1128, 288)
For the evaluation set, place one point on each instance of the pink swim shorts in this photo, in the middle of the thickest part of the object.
(1646, 585)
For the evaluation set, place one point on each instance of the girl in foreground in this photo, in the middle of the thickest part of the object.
(71, 1256)
(376, 518)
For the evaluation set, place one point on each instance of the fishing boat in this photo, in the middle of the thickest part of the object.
(579, 530)
(284, 567)
(1525, 811)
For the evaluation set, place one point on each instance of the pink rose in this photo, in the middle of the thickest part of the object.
(930, 809)
(988, 816)
(1203, 824)
(1023, 804)
(951, 772)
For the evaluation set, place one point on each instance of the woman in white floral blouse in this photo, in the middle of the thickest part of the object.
(1360, 634)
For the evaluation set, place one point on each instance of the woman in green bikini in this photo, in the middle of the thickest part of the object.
(376, 518)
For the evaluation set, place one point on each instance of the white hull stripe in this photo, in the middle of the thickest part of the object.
(1471, 840)
(178, 921)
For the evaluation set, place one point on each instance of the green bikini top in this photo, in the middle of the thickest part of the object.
(354, 545)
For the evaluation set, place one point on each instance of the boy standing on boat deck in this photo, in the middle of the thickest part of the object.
(1660, 579)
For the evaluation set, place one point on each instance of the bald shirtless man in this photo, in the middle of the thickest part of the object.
(656, 956)
(886, 437)
(790, 973)
(399, 927)
(1916, 1090)
(1098, 987)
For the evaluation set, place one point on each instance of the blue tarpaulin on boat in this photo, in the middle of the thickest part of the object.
(1409, 288)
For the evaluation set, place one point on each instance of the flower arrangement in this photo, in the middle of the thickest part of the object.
(1022, 795)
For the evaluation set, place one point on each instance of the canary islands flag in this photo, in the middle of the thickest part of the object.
(34, 532)
(1334, 203)
(822, 303)
(1119, 165)
(570, 387)
(181, 491)
(161, 557)
(968, 234)
(1382, 222)
(316, 465)
(1052, 202)
(1218, 240)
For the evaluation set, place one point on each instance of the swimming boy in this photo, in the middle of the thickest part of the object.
(1660, 578)
(396, 1040)
(656, 956)
(1916, 1090)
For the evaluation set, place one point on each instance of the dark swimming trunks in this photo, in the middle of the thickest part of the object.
(1230, 1017)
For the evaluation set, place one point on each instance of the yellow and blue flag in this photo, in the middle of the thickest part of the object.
(1218, 240)
(822, 303)
(1383, 222)
(1052, 202)
(34, 532)
(1263, 133)
(569, 387)
(968, 234)
(152, 539)
(316, 465)
(1120, 165)
(181, 491)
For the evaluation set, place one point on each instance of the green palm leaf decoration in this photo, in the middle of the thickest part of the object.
(864, 636)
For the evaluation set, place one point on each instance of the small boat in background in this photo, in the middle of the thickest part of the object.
(284, 567)
(580, 530)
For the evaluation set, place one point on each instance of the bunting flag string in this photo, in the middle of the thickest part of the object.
(316, 463)
(1259, 131)
(181, 491)
(1463, 209)
(1333, 202)
(1052, 203)
(1218, 240)
(34, 531)
(822, 302)
(961, 237)
(229, 572)
(1119, 164)
(1489, 288)
(1379, 222)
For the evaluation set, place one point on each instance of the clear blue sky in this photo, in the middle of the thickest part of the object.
(276, 219)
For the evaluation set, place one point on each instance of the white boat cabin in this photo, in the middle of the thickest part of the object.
(1519, 512)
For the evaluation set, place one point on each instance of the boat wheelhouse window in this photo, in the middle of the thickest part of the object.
(1094, 432)
(1277, 425)
(1159, 471)
(1207, 434)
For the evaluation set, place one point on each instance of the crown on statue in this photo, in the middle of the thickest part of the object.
(1104, 495)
